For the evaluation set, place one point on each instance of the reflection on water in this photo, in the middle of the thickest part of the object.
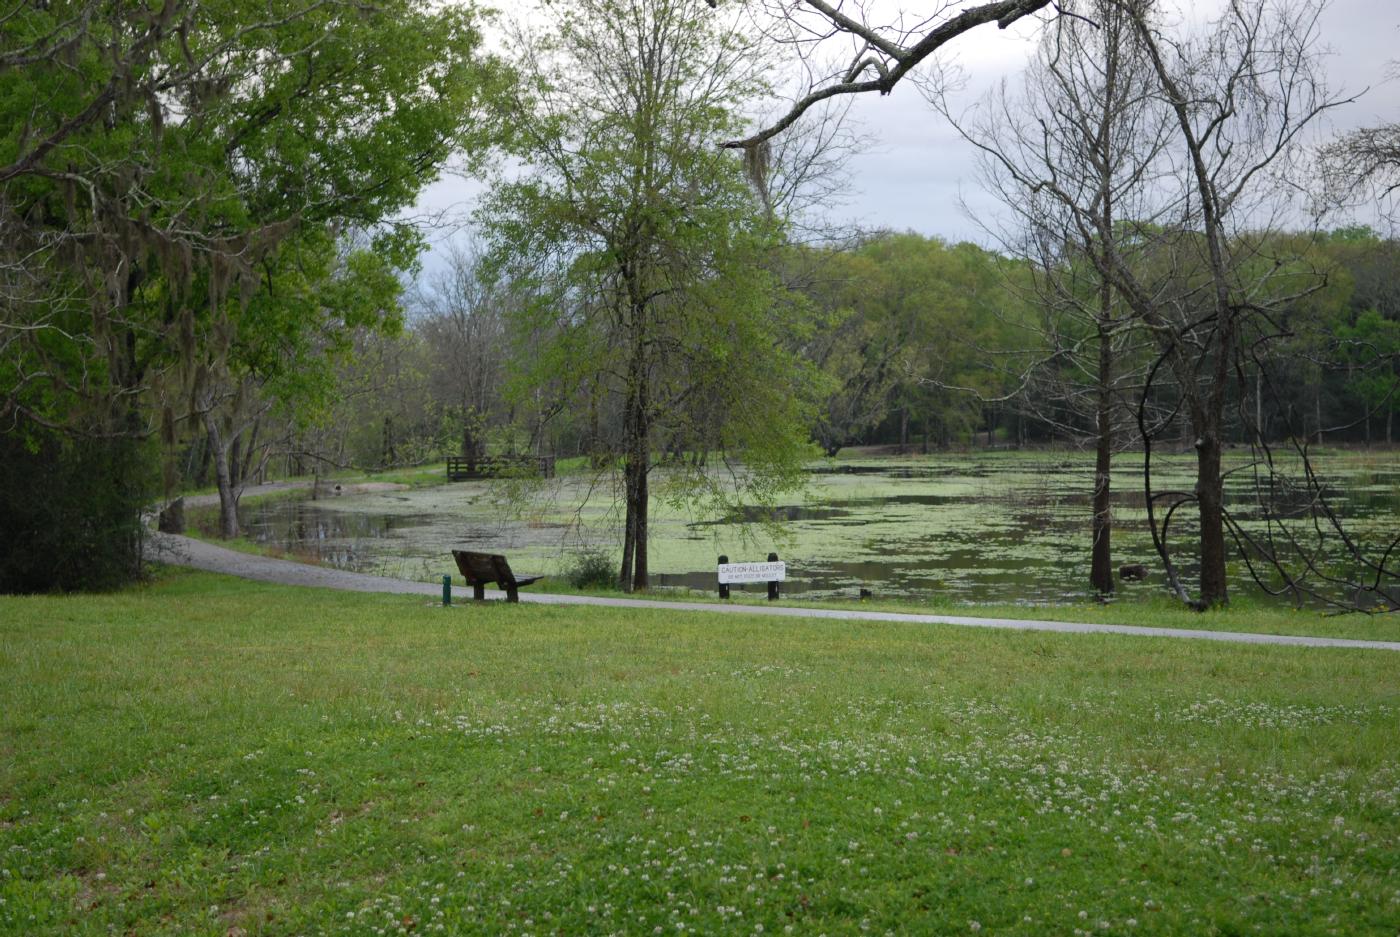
(975, 532)
(308, 530)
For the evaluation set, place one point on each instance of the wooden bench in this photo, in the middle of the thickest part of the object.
(480, 568)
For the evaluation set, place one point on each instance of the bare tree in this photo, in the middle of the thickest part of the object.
(1075, 158)
(1365, 164)
(460, 313)
(1241, 99)
(1175, 212)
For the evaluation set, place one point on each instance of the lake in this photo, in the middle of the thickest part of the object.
(994, 527)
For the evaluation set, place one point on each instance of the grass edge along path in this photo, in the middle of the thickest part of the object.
(213, 558)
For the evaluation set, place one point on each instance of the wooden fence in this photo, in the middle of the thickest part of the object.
(493, 466)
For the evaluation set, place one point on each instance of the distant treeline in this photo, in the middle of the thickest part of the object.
(915, 342)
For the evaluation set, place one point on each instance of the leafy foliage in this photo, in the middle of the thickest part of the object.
(644, 257)
(592, 569)
(178, 185)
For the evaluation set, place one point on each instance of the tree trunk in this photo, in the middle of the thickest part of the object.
(629, 528)
(1259, 406)
(247, 470)
(637, 432)
(641, 577)
(1317, 408)
(234, 459)
(633, 576)
(903, 429)
(1210, 499)
(201, 472)
(228, 499)
(1101, 559)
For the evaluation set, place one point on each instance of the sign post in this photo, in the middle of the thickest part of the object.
(771, 572)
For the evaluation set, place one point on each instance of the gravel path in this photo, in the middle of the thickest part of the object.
(186, 551)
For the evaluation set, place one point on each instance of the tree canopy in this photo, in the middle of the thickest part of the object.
(648, 257)
(176, 178)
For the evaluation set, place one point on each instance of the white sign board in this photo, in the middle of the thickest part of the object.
(752, 572)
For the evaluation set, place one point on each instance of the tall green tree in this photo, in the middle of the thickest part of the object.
(647, 253)
(163, 166)
(1371, 345)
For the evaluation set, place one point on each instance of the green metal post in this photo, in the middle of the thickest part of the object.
(446, 591)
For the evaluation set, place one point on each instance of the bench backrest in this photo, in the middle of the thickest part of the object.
(483, 567)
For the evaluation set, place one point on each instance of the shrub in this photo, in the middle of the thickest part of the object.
(70, 510)
(592, 569)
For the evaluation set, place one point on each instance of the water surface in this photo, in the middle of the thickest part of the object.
(998, 527)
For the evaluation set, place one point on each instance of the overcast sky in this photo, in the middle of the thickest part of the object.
(917, 170)
(920, 167)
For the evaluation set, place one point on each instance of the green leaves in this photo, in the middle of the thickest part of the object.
(908, 319)
(156, 161)
(648, 262)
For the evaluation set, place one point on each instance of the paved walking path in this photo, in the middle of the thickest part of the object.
(186, 551)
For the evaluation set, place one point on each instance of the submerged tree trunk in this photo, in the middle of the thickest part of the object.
(1210, 499)
(1317, 409)
(1101, 560)
(634, 571)
(1259, 406)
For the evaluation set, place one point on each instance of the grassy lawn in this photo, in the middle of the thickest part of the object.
(1245, 614)
(210, 756)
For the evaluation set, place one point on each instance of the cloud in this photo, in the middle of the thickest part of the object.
(918, 169)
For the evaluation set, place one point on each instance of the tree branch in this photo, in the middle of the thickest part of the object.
(900, 60)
